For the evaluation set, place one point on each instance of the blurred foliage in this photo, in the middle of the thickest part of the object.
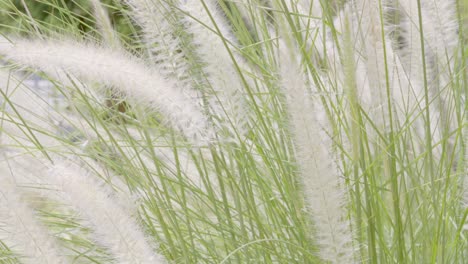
(61, 17)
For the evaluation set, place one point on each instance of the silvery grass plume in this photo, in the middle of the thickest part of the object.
(378, 86)
(380, 82)
(51, 130)
(65, 182)
(104, 24)
(371, 49)
(126, 145)
(373, 74)
(223, 68)
(317, 29)
(112, 227)
(389, 75)
(323, 185)
(20, 230)
(166, 43)
(138, 81)
(429, 35)
(69, 183)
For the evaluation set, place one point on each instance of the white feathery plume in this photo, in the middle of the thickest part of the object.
(101, 207)
(137, 80)
(20, 231)
(329, 51)
(440, 35)
(375, 62)
(363, 53)
(159, 21)
(161, 27)
(369, 53)
(112, 227)
(440, 40)
(104, 24)
(323, 185)
(218, 65)
(317, 35)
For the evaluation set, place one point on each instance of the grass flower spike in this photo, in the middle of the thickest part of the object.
(323, 186)
(20, 231)
(131, 77)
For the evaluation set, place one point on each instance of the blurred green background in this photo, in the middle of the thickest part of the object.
(61, 17)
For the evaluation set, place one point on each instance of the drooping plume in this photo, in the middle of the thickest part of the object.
(112, 227)
(137, 80)
(20, 229)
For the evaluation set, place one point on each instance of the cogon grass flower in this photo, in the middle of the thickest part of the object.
(20, 230)
(222, 66)
(135, 79)
(104, 24)
(162, 34)
(97, 206)
(112, 226)
(323, 186)
(429, 58)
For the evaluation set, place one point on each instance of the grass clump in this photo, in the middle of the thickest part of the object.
(233, 132)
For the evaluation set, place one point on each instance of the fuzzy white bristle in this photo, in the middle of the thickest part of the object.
(140, 82)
